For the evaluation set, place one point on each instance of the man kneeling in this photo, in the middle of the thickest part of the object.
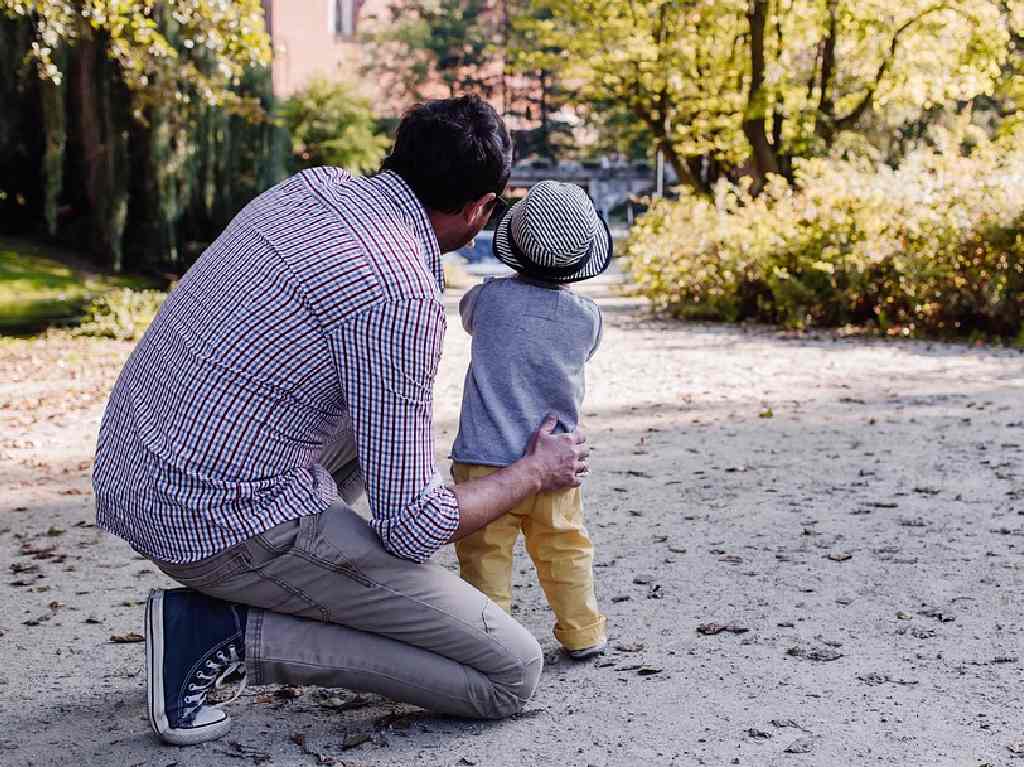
(294, 364)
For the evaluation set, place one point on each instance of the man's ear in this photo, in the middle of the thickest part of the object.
(478, 211)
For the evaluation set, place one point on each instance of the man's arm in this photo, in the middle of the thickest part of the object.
(387, 360)
(553, 462)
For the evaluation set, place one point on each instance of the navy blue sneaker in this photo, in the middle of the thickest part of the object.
(193, 643)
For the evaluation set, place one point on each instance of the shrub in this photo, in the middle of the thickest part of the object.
(935, 247)
(122, 314)
(331, 125)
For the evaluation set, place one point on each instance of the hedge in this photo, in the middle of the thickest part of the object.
(935, 247)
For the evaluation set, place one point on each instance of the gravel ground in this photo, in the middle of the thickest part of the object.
(850, 511)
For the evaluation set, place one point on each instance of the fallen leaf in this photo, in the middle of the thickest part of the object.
(322, 759)
(710, 629)
(329, 700)
(630, 647)
(815, 653)
(873, 678)
(239, 751)
(800, 746)
(128, 638)
(786, 723)
(934, 612)
(913, 522)
(354, 740)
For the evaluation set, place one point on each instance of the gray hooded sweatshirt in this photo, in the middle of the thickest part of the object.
(530, 342)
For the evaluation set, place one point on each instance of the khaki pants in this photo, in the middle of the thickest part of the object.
(560, 548)
(332, 608)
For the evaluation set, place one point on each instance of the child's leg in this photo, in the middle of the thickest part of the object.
(564, 557)
(485, 557)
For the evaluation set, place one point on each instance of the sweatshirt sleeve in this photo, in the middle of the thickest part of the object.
(598, 332)
(467, 307)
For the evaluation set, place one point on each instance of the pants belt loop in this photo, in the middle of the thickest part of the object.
(309, 526)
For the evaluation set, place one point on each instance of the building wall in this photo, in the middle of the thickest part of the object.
(318, 38)
(310, 41)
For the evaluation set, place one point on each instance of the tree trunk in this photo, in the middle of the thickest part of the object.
(765, 161)
(54, 105)
(825, 119)
(545, 128)
(22, 143)
(104, 112)
(679, 165)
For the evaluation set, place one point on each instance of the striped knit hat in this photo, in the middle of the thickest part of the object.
(554, 234)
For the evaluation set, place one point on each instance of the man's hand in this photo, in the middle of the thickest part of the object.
(559, 459)
(552, 462)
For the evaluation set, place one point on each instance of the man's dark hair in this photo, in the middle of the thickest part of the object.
(452, 151)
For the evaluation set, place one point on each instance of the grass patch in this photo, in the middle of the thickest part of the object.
(42, 286)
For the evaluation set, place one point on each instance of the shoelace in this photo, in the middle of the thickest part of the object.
(224, 667)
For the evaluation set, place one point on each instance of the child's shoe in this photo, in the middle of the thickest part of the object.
(588, 652)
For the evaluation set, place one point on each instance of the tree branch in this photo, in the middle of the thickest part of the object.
(842, 123)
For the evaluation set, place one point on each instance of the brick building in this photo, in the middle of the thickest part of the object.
(317, 38)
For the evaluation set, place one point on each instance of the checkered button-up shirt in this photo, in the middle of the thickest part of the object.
(312, 326)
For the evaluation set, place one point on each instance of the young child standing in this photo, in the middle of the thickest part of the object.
(531, 338)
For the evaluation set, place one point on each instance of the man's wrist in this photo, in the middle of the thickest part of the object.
(533, 473)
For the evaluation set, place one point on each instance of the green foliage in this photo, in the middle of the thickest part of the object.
(936, 246)
(331, 125)
(417, 45)
(122, 314)
(420, 49)
(154, 144)
(766, 80)
(38, 288)
(220, 41)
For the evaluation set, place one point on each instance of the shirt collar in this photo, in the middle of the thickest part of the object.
(413, 213)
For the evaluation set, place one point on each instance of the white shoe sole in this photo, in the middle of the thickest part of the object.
(189, 736)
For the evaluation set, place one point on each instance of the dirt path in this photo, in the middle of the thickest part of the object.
(855, 507)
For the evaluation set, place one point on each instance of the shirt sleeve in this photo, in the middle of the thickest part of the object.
(387, 359)
(599, 320)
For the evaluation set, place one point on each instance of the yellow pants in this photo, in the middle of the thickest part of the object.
(560, 549)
